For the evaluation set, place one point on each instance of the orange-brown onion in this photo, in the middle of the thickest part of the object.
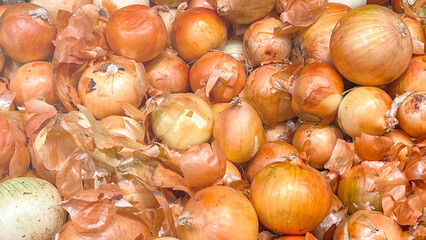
(417, 34)
(1, 59)
(271, 103)
(411, 114)
(33, 80)
(218, 212)
(105, 85)
(136, 32)
(243, 11)
(290, 198)
(222, 75)
(169, 3)
(182, 120)
(317, 142)
(314, 41)
(25, 33)
(217, 108)
(200, 3)
(53, 7)
(196, 31)
(413, 79)
(263, 45)
(281, 132)
(124, 126)
(111, 6)
(317, 93)
(269, 153)
(238, 129)
(371, 45)
(168, 72)
(363, 110)
(399, 136)
(366, 224)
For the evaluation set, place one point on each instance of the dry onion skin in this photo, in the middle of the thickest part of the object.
(298, 191)
(218, 212)
(53, 7)
(371, 45)
(111, 6)
(243, 11)
(413, 79)
(411, 114)
(417, 34)
(124, 126)
(281, 132)
(399, 136)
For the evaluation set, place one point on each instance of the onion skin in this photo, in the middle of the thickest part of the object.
(124, 126)
(169, 3)
(1, 59)
(231, 171)
(217, 108)
(412, 79)
(218, 212)
(290, 188)
(3, 8)
(417, 34)
(196, 31)
(53, 7)
(281, 132)
(411, 114)
(32, 36)
(200, 3)
(399, 136)
(377, 1)
(235, 48)
(243, 11)
(350, 3)
(111, 6)
(371, 52)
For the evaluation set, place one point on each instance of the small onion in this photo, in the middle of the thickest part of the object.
(199, 3)
(196, 31)
(399, 136)
(411, 114)
(263, 45)
(243, 11)
(417, 34)
(350, 3)
(111, 6)
(371, 45)
(413, 78)
(53, 7)
(235, 48)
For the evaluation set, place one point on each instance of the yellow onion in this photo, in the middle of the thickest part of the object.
(218, 212)
(25, 33)
(169, 3)
(33, 80)
(290, 198)
(111, 6)
(292, 238)
(417, 34)
(363, 110)
(105, 85)
(412, 79)
(263, 45)
(217, 108)
(231, 171)
(411, 114)
(222, 75)
(199, 3)
(235, 48)
(350, 3)
(196, 31)
(317, 93)
(238, 129)
(399, 136)
(182, 120)
(281, 132)
(270, 153)
(317, 142)
(243, 11)
(371, 45)
(53, 7)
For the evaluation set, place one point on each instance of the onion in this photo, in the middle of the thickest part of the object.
(417, 34)
(32, 34)
(371, 52)
(411, 114)
(281, 132)
(29, 209)
(3, 8)
(169, 3)
(413, 78)
(33, 80)
(243, 11)
(292, 238)
(235, 48)
(231, 172)
(136, 32)
(290, 198)
(399, 136)
(168, 72)
(111, 6)
(200, 3)
(317, 93)
(222, 75)
(217, 108)
(218, 213)
(263, 45)
(196, 31)
(363, 110)
(238, 129)
(182, 120)
(53, 7)
(350, 3)
(377, 1)
(1, 59)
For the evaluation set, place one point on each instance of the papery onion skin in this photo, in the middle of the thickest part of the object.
(363, 110)
(218, 212)
(417, 34)
(53, 7)
(290, 188)
(169, 3)
(123, 125)
(292, 238)
(350, 3)
(111, 6)
(196, 31)
(371, 52)
(231, 171)
(399, 136)
(411, 114)
(136, 32)
(412, 79)
(243, 11)
(281, 132)
(10, 66)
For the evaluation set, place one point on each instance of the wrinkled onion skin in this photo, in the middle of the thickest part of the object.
(243, 11)
(417, 34)
(399, 136)
(411, 115)
(413, 79)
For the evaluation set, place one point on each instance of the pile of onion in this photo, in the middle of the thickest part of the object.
(412, 79)
(411, 114)
(243, 11)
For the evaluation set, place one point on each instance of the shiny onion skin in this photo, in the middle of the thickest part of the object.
(31, 31)
(411, 114)
(196, 31)
(111, 6)
(243, 11)
(317, 93)
(413, 79)
(221, 73)
(218, 212)
(136, 32)
(417, 34)
(290, 198)
(371, 45)
(363, 110)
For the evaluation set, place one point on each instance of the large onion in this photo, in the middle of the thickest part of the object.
(243, 11)
(371, 45)
(111, 6)
(411, 114)
(413, 78)
(53, 7)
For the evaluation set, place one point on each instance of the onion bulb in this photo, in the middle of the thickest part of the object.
(199, 3)
(182, 120)
(136, 32)
(238, 129)
(399, 136)
(111, 6)
(196, 31)
(235, 48)
(25, 33)
(53, 7)
(290, 198)
(218, 212)
(411, 114)
(412, 79)
(417, 34)
(371, 45)
(363, 110)
(217, 108)
(243, 11)
(350, 3)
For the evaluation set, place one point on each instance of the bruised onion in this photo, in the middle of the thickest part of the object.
(111, 6)
(371, 45)
(243, 11)
(411, 114)
(412, 79)
(417, 34)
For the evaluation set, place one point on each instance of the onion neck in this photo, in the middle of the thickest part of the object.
(237, 100)
(184, 220)
(402, 29)
(39, 13)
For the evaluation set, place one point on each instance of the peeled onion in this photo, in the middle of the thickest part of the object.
(53, 7)
(111, 6)
(417, 34)
(411, 114)
(350, 3)
(412, 79)
(243, 11)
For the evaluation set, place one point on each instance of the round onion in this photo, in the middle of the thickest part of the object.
(197, 31)
(363, 110)
(53, 7)
(182, 120)
(411, 114)
(218, 212)
(243, 11)
(281, 132)
(136, 32)
(200, 3)
(33, 80)
(371, 45)
(263, 45)
(217, 108)
(350, 3)
(222, 75)
(25, 33)
(290, 198)
(417, 34)
(413, 78)
(399, 136)
(235, 48)
(111, 6)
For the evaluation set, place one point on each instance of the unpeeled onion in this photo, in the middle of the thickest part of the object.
(417, 34)
(200, 3)
(411, 114)
(412, 79)
(53, 7)
(243, 11)
(111, 6)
